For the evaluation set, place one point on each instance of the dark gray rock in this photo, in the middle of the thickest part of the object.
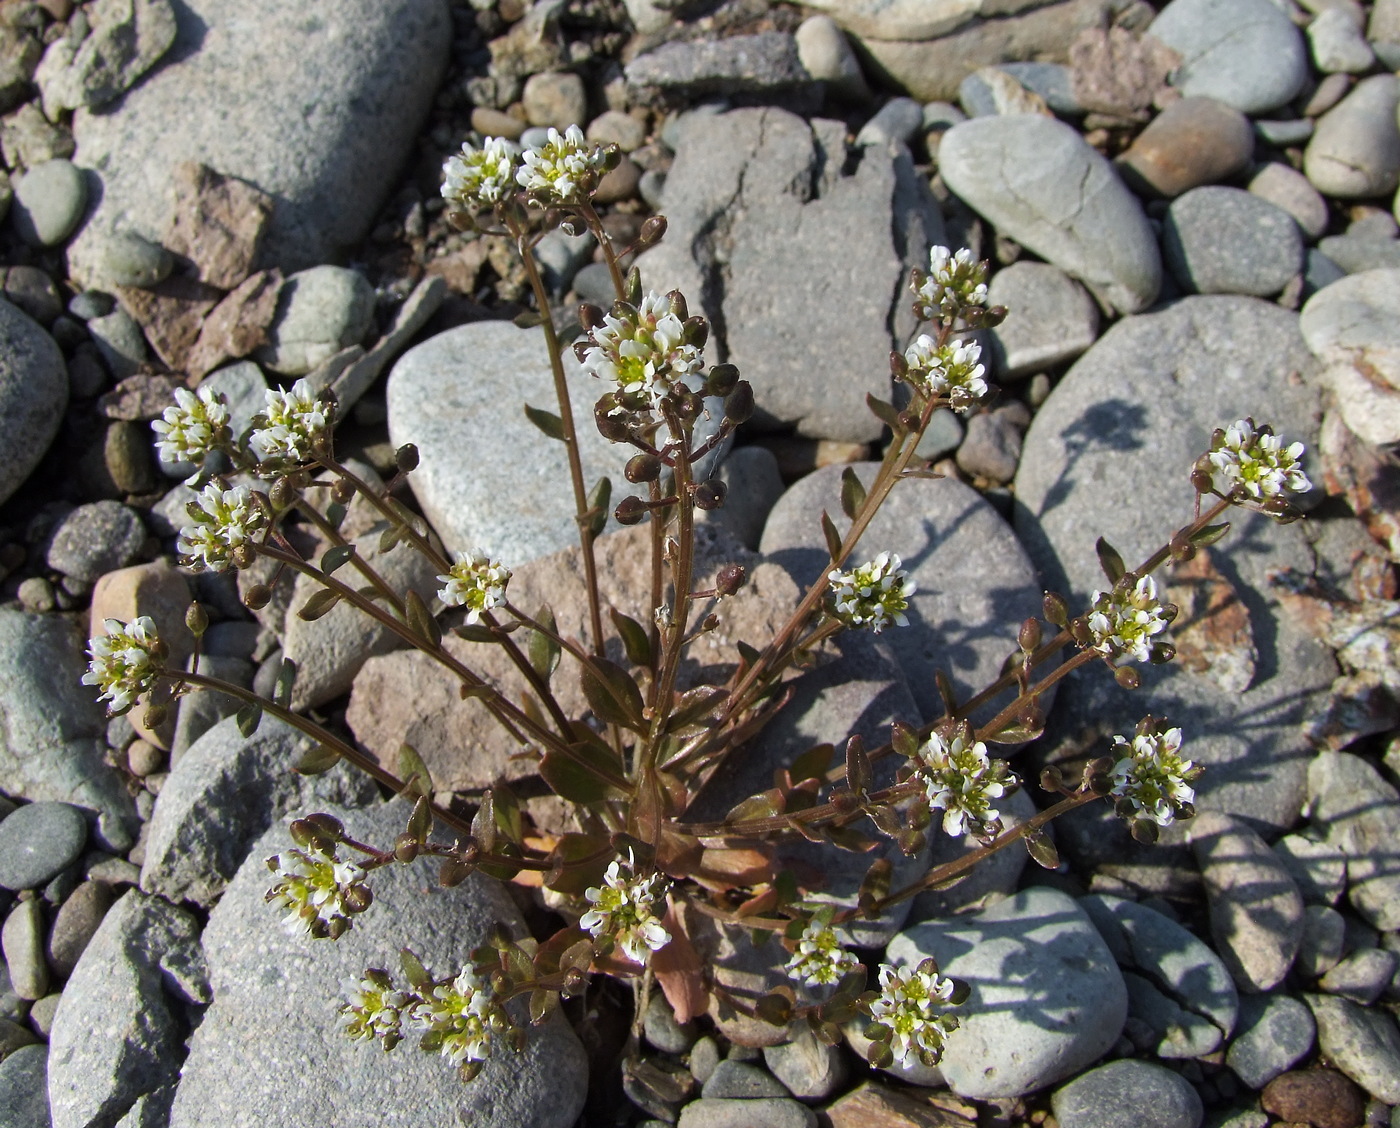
(738, 1080)
(1128, 1094)
(24, 1088)
(810, 1069)
(33, 395)
(23, 941)
(896, 121)
(1275, 1032)
(120, 343)
(753, 484)
(1050, 319)
(992, 447)
(662, 1029)
(1219, 240)
(764, 64)
(201, 709)
(95, 539)
(75, 925)
(38, 841)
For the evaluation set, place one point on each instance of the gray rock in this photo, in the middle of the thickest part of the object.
(42, 1012)
(826, 54)
(251, 1059)
(615, 127)
(39, 841)
(1362, 976)
(1318, 869)
(1244, 53)
(12, 1007)
(560, 257)
(33, 395)
(1050, 320)
(120, 1028)
(1338, 47)
(738, 1080)
(1284, 133)
(766, 63)
(23, 941)
(810, 1069)
(771, 1112)
(1319, 272)
(1287, 188)
(1038, 181)
(662, 1029)
(905, 19)
(75, 925)
(1323, 941)
(128, 37)
(119, 340)
(993, 90)
(555, 99)
(1128, 1094)
(1355, 253)
(1274, 1034)
(319, 312)
(49, 200)
(33, 291)
(1355, 319)
(374, 67)
(1108, 454)
(53, 742)
(992, 447)
(1358, 811)
(896, 121)
(129, 260)
(942, 436)
(201, 709)
(95, 539)
(753, 485)
(1054, 82)
(24, 1088)
(1363, 1042)
(1220, 240)
(1047, 998)
(1355, 152)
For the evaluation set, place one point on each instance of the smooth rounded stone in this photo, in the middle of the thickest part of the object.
(1245, 53)
(991, 447)
(809, 1069)
(39, 841)
(1109, 454)
(1357, 253)
(1331, 90)
(1040, 183)
(36, 594)
(753, 484)
(1358, 811)
(1315, 1096)
(944, 432)
(618, 128)
(48, 203)
(1128, 1094)
(33, 291)
(88, 304)
(1319, 272)
(555, 100)
(494, 123)
(989, 880)
(126, 454)
(267, 1042)
(75, 925)
(95, 539)
(24, 1088)
(1369, 409)
(42, 1012)
(223, 793)
(13, 1035)
(738, 1080)
(1317, 868)
(651, 186)
(762, 64)
(704, 1058)
(53, 743)
(1192, 142)
(1275, 1032)
(619, 184)
(22, 939)
(129, 260)
(1177, 987)
(975, 585)
(1323, 941)
(560, 256)
(201, 709)
(771, 1112)
(1284, 133)
(1361, 976)
(1338, 46)
(1363, 1042)
(663, 1031)
(1219, 240)
(1357, 318)
(904, 19)
(897, 120)
(120, 343)
(12, 1007)
(1355, 151)
(827, 56)
(1051, 319)
(319, 312)
(33, 395)
(1287, 188)
(367, 74)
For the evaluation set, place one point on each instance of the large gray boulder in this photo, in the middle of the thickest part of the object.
(33, 395)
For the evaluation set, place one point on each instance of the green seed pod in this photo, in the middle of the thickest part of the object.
(642, 467)
(197, 619)
(257, 597)
(406, 458)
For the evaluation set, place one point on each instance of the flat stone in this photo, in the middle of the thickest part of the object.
(1287, 188)
(126, 39)
(1338, 47)
(1317, 868)
(22, 939)
(1369, 406)
(1315, 1096)
(48, 202)
(1219, 240)
(33, 395)
(1040, 184)
(24, 1087)
(76, 923)
(319, 312)
(1128, 1094)
(771, 1112)
(1323, 941)
(1051, 319)
(1361, 976)
(1355, 253)
(251, 1059)
(909, 19)
(95, 539)
(1192, 142)
(738, 1080)
(38, 841)
(808, 1068)
(1355, 152)
(217, 223)
(873, 1105)
(1358, 811)
(1363, 1042)
(1355, 320)
(1274, 1034)
(764, 63)
(367, 74)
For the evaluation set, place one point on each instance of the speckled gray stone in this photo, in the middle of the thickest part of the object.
(1363, 1042)
(1050, 319)
(24, 1088)
(1355, 151)
(38, 841)
(1274, 1033)
(319, 312)
(95, 539)
(48, 203)
(33, 395)
(1219, 240)
(1358, 811)
(1128, 1094)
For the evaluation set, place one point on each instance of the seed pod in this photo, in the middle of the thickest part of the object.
(722, 380)
(653, 231)
(342, 490)
(1029, 637)
(357, 898)
(283, 494)
(257, 597)
(899, 367)
(688, 404)
(730, 579)
(243, 556)
(589, 316)
(739, 406)
(156, 716)
(709, 622)
(1052, 779)
(405, 847)
(993, 316)
(406, 458)
(710, 495)
(678, 304)
(573, 226)
(642, 467)
(1056, 609)
(197, 619)
(1127, 677)
(630, 511)
(454, 871)
(611, 427)
(696, 332)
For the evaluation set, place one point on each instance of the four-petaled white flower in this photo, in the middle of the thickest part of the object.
(290, 424)
(475, 582)
(564, 169)
(193, 427)
(643, 351)
(1123, 621)
(223, 521)
(953, 370)
(373, 1009)
(1150, 779)
(621, 909)
(319, 891)
(1255, 461)
(124, 662)
(954, 282)
(911, 1005)
(873, 595)
(478, 178)
(820, 960)
(458, 1018)
(961, 781)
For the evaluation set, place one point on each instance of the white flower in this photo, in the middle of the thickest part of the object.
(961, 781)
(954, 281)
(953, 371)
(1123, 621)
(459, 1017)
(373, 1010)
(820, 960)
(910, 1005)
(564, 169)
(223, 521)
(1150, 779)
(125, 662)
(875, 595)
(642, 351)
(475, 582)
(1256, 462)
(479, 178)
(289, 425)
(193, 427)
(319, 891)
(622, 909)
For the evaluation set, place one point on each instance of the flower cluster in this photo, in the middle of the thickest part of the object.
(475, 582)
(479, 178)
(564, 170)
(874, 595)
(953, 282)
(457, 1018)
(1255, 462)
(910, 1007)
(223, 521)
(319, 891)
(193, 427)
(1151, 780)
(374, 1009)
(643, 350)
(820, 960)
(952, 370)
(290, 424)
(621, 910)
(124, 662)
(961, 781)
(1123, 621)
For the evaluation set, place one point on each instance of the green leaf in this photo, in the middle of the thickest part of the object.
(542, 1004)
(318, 605)
(388, 538)
(635, 639)
(598, 502)
(414, 773)
(1203, 538)
(336, 556)
(317, 760)
(542, 648)
(249, 718)
(507, 806)
(476, 632)
(546, 421)
(858, 771)
(335, 514)
(420, 822)
(748, 653)
(1109, 560)
(421, 619)
(885, 412)
(904, 740)
(612, 694)
(484, 823)
(1039, 847)
(762, 806)
(813, 763)
(694, 705)
(774, 1008)
(286, 678)
(833, 537)
(852, 493)
(567, 876)
(570, 780)
(413, 968)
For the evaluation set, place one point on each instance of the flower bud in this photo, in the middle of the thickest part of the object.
(357, 898)
(589, 316)
(1029, 637)
(573, 226)
(1052, 779)
(243, 556)
(283, 493)
(696, 332)
(730, 579)
(653, 231)
(406, 458)
(630, 511)
(197, 619)
(634, 287)
(739, 406)
(642, 467)
(710, 495)
(1127, 677)
(898, 365)
(611, 427)
(678, 304)
(257, 597)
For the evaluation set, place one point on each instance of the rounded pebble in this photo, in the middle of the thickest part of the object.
(1128, 1094)
(96, 539)
(49, 202)
(1355, 152)
(557, 100)
(1192, 142)
(38, 842)
(126, 259)
(1220, 240)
